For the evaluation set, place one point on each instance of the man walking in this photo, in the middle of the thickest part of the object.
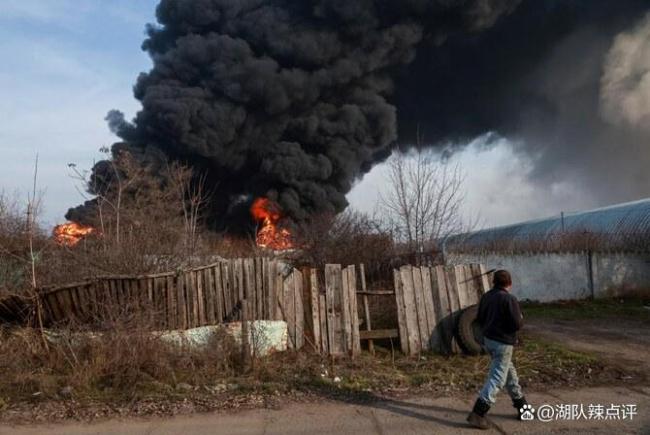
(500, 318)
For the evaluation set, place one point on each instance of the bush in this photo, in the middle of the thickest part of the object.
(15, 253)
(118, 363)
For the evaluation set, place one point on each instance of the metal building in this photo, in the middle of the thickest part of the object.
(617, 227)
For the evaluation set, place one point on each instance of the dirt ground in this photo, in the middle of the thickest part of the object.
(620, 342)
(419, 415)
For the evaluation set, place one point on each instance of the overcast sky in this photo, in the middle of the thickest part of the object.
(66, 63)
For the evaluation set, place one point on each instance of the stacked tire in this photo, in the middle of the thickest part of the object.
(468, 331)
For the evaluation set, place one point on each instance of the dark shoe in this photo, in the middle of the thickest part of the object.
(477, 417)
(519, 406)
(479, 422)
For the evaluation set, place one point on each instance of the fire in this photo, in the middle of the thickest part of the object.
(70, 233)
(270, 235)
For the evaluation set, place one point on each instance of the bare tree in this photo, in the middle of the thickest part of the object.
(22, 246)
(12, 229)
(147, 217)
(33, 202)
(421, 204)
(346, 238)
(192, 197)
(125, 173)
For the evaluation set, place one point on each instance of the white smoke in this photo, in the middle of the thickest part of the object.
(625, 84)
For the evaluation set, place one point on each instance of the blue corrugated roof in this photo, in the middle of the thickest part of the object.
(631, 218)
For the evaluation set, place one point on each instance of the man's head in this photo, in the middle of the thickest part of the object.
(502, 279)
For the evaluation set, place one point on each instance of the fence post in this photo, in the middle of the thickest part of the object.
(590, 273)
(366, 308)
(245, 343)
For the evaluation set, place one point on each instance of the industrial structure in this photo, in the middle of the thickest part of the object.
(598, 253)
(620, 227)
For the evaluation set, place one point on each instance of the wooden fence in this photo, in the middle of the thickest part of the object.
(333, 311)
(320, 307)
(185, 299)
(428, 301)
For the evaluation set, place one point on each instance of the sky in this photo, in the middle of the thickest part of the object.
(68, 62)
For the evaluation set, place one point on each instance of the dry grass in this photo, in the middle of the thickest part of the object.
(616, 308)
(569, 241)
(541, 365)
(125, 372)
(125, 361)
(115, 365)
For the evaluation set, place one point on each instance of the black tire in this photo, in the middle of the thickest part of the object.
(468, 331)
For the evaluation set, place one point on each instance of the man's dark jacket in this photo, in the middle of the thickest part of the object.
(500, 316)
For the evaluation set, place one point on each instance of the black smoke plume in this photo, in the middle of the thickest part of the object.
(296, 99)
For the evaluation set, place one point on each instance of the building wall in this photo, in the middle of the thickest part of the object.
(547, 277)
(621, 274)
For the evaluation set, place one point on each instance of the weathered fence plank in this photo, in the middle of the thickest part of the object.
(324, 339)
(218, 293)
(249, 286)
(355, 347)
(429, 300)
(485, 278)
(200, 298)
(225, 268)
(333, 287)
(413, 330)
(472, 275)
(461, 286)
(208, 279)
(427, 295)
(239, 262)
(315, 308)
(366, 308)
(170, 312)
(420, 309)
(401, 312)
(345, 311)
(298, 313)
(181, 312)
(259, 289)
(234, 288)
(272, 296)
(288, 308)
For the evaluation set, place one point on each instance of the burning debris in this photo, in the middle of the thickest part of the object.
(71, 233)
(271, 234)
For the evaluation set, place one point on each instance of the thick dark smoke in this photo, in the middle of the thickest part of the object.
(297, 99)
(567, 81)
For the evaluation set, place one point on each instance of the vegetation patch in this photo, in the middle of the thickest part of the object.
(629, 308)
(131, 374)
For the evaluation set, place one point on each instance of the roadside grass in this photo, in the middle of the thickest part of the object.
(133, 376)
(628, 308)
(540, 365)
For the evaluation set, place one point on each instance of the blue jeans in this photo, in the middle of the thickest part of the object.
(502, 372)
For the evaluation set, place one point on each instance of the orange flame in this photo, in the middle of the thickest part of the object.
(70, 233)
(270, 235)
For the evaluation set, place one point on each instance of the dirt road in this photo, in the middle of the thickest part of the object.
(621, 342)
(423, 415)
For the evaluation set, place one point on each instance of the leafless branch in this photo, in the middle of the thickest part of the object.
(423, 199)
